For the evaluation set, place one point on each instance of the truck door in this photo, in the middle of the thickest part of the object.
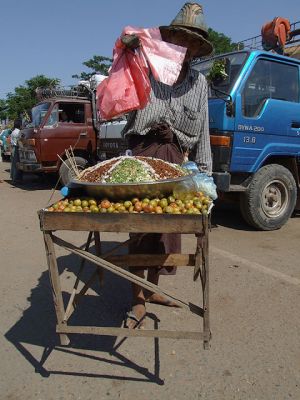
(268, 114)
(66, 126)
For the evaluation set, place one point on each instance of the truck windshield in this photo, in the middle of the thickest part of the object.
(38, 114)
(234, 63)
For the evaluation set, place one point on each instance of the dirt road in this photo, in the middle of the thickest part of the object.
(255, 318)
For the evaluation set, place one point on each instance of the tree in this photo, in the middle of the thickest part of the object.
(98, 64)
(24, 97)
(3, 110)
(222, 43)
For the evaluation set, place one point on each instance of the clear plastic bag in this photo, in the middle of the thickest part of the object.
(198, 182)
(204, 183)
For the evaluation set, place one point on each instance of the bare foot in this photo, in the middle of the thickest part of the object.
(136, 317)
(159, 299)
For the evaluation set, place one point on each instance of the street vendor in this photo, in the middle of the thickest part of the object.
(173, 124)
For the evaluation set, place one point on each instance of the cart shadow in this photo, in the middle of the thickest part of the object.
(105, 307)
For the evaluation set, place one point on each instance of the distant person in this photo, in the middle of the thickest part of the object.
(63, 117)
(4, 141)
(15, 173)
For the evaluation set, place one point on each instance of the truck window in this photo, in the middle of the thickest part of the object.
(38, 113)
(53, 117)
(269, 80)
(235, 60)
(71, 112)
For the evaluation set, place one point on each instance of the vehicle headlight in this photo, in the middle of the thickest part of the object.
(31, 155)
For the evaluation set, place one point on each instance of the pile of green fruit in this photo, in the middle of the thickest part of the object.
(197, 203)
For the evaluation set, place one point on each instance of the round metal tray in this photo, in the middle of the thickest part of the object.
(115, 191)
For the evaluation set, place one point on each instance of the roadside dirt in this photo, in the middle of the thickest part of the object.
(255, 319)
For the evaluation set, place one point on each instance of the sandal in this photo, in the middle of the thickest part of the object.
(132, 316)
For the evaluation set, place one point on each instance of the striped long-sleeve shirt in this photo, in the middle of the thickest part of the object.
(184, 108)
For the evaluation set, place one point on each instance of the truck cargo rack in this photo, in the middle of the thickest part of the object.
(73, 92)
(255, 42)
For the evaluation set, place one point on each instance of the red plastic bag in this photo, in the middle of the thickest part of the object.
(127, 88)
(164, 59)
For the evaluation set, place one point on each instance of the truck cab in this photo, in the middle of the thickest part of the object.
(254, 119)
(58, 123)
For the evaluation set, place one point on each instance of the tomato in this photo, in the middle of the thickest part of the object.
(153, 202)
(171, 199)
(138, 206)
(127, 204)
(105, 203)
(163, 202)
(169, 210)
(188, 204)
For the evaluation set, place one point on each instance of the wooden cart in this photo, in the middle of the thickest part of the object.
(94, 224)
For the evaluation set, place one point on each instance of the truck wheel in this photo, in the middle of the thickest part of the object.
(67, 174)
(270, 198)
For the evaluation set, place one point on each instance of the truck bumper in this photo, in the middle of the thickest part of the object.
(29, 167)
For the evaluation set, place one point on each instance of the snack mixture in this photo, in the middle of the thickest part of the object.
(128, 169)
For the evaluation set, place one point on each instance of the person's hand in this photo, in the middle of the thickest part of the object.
(130, 41)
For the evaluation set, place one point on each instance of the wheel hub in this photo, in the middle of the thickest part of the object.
(274, 198)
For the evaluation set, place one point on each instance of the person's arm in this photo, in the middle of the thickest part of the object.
(130, 41)
(202, 150)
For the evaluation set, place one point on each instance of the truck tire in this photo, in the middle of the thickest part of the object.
(270, 199)
(66, 174)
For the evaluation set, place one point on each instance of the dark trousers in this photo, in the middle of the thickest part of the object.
(164, 147)
(15, 173)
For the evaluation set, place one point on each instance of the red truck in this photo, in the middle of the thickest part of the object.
(63, 119)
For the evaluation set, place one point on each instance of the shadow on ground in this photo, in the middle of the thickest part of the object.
(104, 308)
(35, 181)
(229, 215)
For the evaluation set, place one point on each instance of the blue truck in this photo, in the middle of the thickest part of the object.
(254, 119)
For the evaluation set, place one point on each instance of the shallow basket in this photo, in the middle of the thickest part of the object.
(118, 191)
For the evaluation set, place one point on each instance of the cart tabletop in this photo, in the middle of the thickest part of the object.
(119, 222)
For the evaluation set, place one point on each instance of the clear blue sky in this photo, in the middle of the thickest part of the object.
(54, 37)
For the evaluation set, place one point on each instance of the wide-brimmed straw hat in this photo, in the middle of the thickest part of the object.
(187, 26)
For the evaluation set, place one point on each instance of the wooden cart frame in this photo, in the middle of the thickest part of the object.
(94, 224)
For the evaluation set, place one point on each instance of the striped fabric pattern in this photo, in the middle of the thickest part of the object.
(184, 108)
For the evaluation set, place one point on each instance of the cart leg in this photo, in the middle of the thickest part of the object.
(55, 284)
(202, 263)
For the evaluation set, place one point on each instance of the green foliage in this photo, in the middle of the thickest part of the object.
(217, 71)
(3, 110)
(222, 43)
(98, 64)
(24, 97)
